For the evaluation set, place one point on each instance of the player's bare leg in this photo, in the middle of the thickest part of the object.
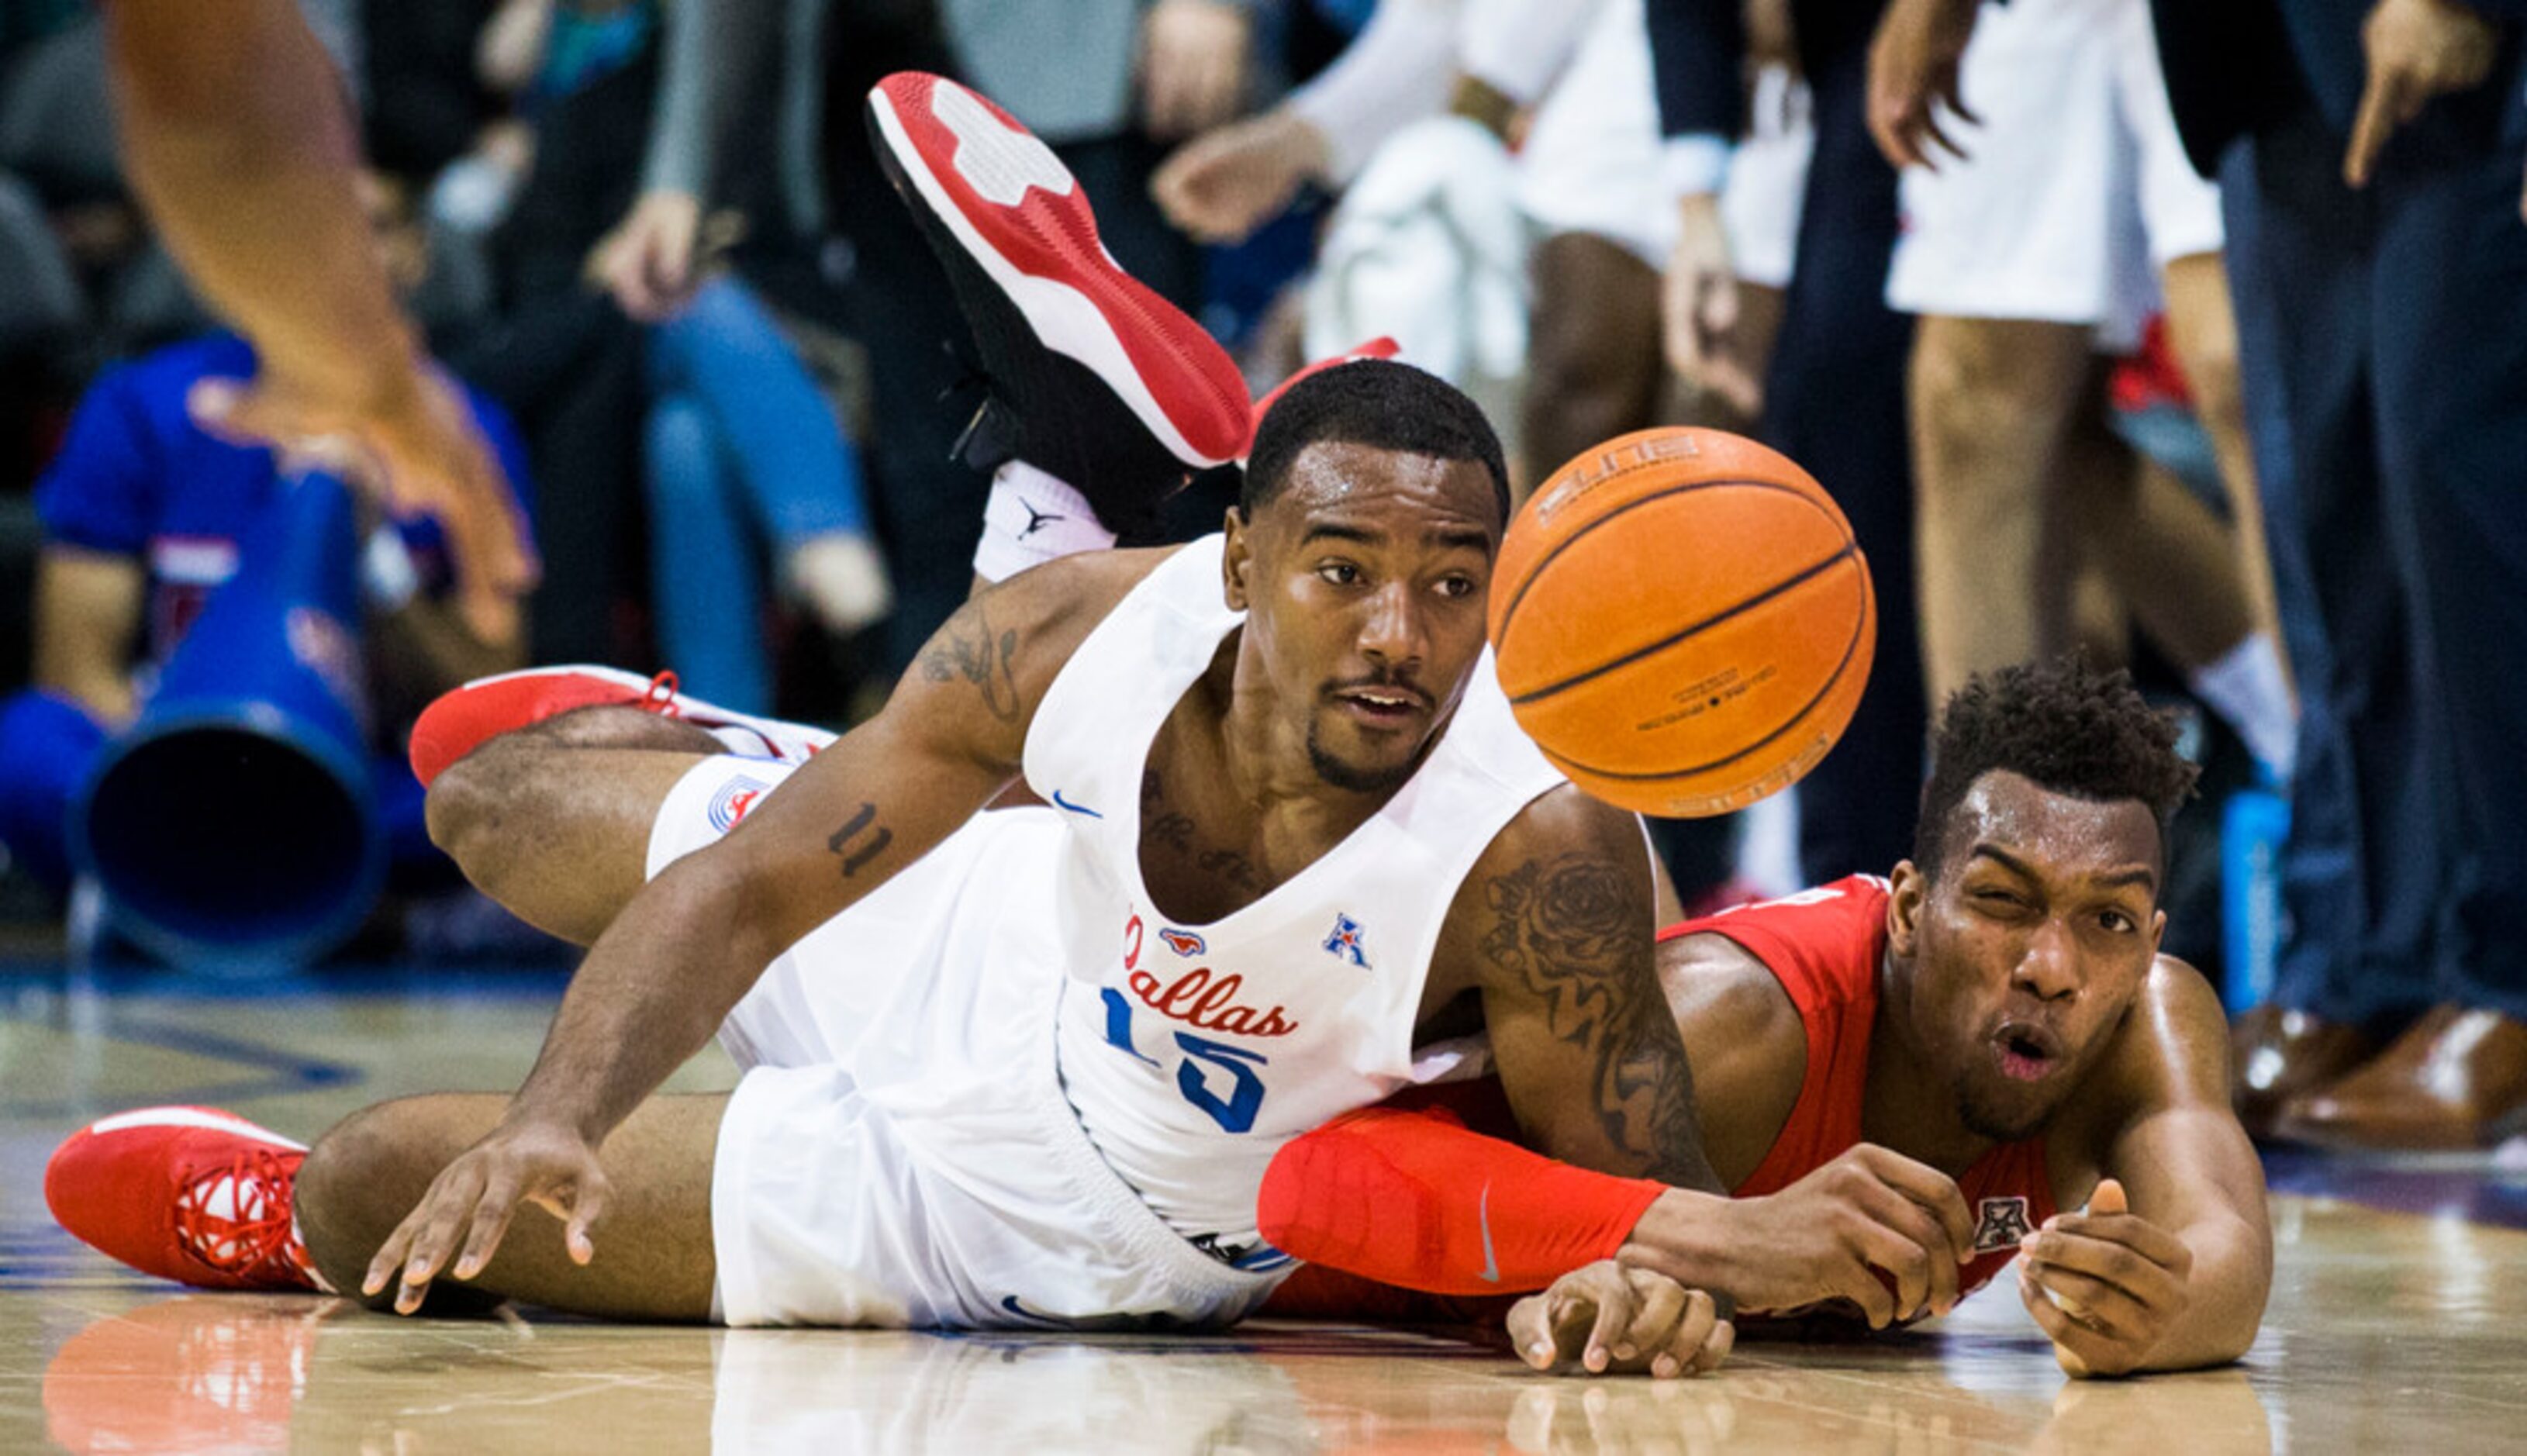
(1993, 402)
(2202, 331)
(2172, 560)
(1595, 365)
(553, 821)
(653, 1258)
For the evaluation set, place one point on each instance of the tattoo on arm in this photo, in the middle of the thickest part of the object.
(968, 649)
(1574, 931)
(869, 847)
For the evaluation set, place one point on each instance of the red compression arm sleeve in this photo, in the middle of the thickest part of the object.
(1417, 1199)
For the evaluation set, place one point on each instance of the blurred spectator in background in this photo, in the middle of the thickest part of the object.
(1833, 390)
(2371, 157)
(142, 513)
(737, 449)
(238, 140)
(743, 452)
(1103, 82)
(2047, 209)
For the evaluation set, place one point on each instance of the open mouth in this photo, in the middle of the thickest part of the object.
(2027, 1053)
(1384, 707)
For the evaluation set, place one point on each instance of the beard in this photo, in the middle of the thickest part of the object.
(1351, 777)
(2002, 1119)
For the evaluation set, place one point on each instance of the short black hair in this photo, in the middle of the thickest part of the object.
(2063, 725)
(1378, 404)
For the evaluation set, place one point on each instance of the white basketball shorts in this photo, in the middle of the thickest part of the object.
(900, 1150)
(2074, 192)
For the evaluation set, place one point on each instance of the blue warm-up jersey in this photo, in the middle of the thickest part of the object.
(137, 477)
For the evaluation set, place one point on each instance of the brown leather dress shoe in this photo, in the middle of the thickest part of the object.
(2457, 1078)
(2276, 1054)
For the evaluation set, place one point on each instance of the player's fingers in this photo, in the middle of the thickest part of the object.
(1659, 1303)
(1927, 1187)
(450, 1201)
(430, 1254)
(587, 1207)
(1530, 1330)
(491, 1213)
(2370, 127)
(1930, 128)
(1902, 128)
(1948, 89)
(1901, 1255)
(1567, 1315)
(2093, 1302)
(1720, 307)
(2122, 1238)
(2131, 1253)
(1716, 1348)
(1613, 1315)
(1681, 338)
(1696, 1313)
(1856, 1279)
(2091, 1351)
(1909, 1244)
(1887, 111)
(389, 1255)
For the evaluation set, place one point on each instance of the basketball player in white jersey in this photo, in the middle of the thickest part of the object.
(1023, 1067)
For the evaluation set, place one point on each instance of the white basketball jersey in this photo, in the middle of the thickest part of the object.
(1191, 1053)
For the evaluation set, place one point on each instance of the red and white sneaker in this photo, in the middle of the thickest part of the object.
(186, 1193)
(1381, 347)
(1096, 380)
(460, 720)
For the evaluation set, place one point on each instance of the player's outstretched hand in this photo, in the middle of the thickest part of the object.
(1913, 65)
(1826, 1236)
(1604, 1318)
(420, 450)
(2104, 1285)
(473, 1198)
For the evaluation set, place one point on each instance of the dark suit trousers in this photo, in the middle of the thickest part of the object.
(2384, 350)
(1834, 402)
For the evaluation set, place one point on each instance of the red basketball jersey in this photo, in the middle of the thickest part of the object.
(1825, 945)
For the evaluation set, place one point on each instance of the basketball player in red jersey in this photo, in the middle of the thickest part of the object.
(1904, 1083)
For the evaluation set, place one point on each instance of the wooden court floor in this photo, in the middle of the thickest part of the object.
(2399, 1329)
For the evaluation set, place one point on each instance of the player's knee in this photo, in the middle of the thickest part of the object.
(1969, 387)
(682, 453)
(2211, 377)
(343, 1193)
(463, 807)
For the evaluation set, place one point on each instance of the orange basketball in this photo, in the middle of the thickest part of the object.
(1683, 621)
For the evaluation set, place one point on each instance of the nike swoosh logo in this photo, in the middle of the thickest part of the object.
(1010, 1302)
(1076, 808)
(1491, 1265)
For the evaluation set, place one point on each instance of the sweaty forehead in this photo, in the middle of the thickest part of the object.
(2058, 835)
(1340, 477)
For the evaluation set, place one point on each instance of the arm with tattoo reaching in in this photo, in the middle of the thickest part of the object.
(237, 137)
(659, 982)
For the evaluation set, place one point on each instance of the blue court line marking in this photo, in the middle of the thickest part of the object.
(406, 980)
(281, 1072)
